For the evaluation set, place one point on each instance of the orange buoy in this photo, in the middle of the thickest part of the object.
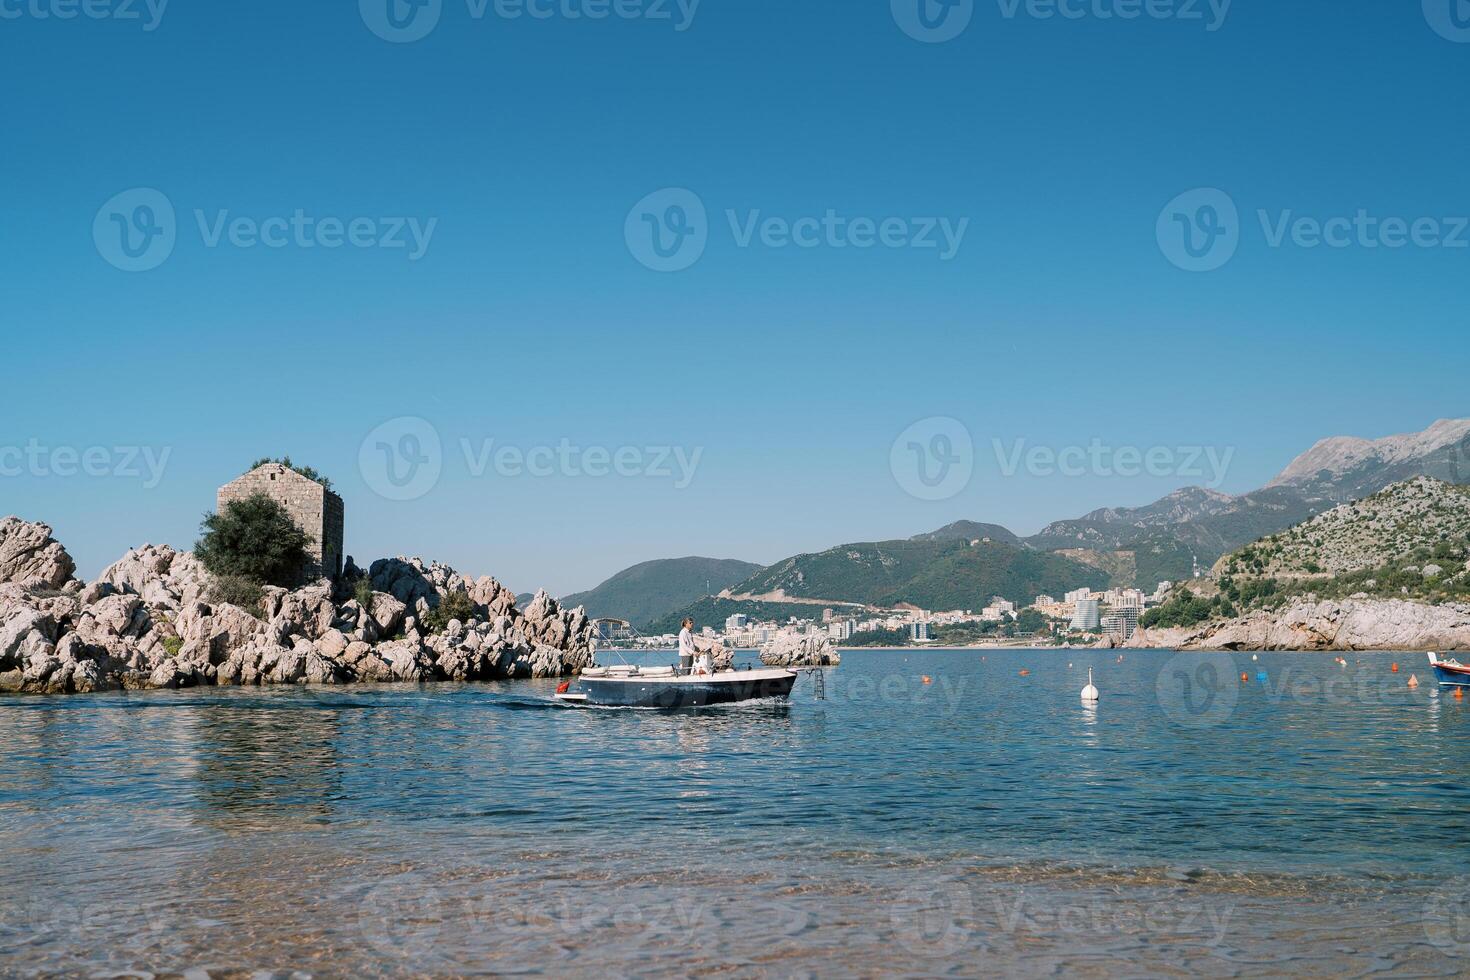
(1025, 673)
(1244, 679)
(928, 679)
(1394, 668)
(1459, 693)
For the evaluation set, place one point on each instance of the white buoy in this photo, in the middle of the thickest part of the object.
(1255, 657)
(1089, 693)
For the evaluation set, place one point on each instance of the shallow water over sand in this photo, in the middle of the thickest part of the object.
(1315, 820)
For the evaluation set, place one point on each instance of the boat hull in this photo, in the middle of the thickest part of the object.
(671, 693)
(1450, 677)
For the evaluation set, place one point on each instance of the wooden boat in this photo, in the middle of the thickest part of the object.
(1450, 673)
(668, 688)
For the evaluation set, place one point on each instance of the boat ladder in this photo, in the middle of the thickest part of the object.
(819, 683)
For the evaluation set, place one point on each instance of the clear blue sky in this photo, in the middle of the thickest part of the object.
(529, 320)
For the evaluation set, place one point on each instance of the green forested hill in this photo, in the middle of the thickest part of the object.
(934, 574)
(654, 589)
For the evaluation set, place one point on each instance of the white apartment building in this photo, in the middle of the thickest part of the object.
(1121, 623)
(1086, 615)
(998, 610)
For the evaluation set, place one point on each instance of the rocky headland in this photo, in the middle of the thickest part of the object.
(149, 620)
(1324, 625)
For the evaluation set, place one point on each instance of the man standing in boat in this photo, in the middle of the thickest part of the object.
(691, 661)
(686, 647)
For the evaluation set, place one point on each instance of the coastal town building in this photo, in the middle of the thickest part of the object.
(998, 610)
(1121, 623)
(1057, 610)
(1085, 616)
(315, 509)
(1123, 598)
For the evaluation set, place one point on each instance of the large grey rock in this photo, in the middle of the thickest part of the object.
(791, 650)
(408, 660)
(30, 556)
(387, 613)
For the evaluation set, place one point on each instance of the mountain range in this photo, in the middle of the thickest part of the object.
(964, 564)
(652, 589)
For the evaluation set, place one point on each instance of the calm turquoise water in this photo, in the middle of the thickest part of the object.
(1316, 822)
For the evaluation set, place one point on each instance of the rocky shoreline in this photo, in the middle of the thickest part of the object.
(1323, 625)
(786, 650)
(147, 621)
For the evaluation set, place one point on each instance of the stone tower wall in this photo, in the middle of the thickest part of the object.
(315, 509)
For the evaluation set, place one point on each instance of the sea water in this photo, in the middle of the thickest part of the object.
(938, 813)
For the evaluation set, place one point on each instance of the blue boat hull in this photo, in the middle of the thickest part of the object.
(1450, 678)
(654, 692)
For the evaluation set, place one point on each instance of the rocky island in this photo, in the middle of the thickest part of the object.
(148, 621)
(160, 618)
